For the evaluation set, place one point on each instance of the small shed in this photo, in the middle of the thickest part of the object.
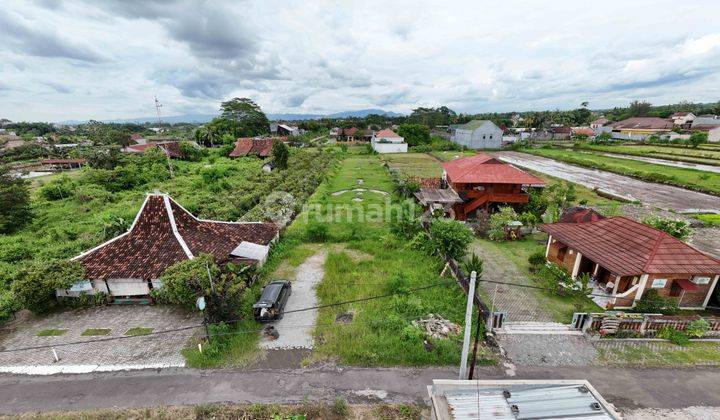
(433, 199)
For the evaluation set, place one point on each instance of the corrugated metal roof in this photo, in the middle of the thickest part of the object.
(526, 402)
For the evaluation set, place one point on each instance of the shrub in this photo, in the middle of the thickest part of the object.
(403, 222)
(536, 260)
(88, 193)
(57, 189)
(698, 328)
(451, 237)
(498, 222)
(340, 406)
(316, 231)
(674, 227)
(398, 283)
(473, 263)
(652, 302)
(675, 336)
(34, 286)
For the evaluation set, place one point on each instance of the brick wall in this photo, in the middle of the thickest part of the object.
(568, 262)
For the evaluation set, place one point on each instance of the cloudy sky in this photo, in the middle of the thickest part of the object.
(85, 59)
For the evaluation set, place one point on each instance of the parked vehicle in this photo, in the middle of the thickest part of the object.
(271, 305)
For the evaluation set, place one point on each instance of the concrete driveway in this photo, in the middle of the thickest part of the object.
(667, 162)
(296, 328)
(655, 195)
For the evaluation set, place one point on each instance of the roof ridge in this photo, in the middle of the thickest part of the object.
(654, 251)
(173, 226)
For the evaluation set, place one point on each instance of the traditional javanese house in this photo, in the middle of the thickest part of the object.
(162, 234)
(482, 180)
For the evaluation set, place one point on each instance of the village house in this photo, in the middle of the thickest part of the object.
(248, 146)
(347, 134)
(710, 124)
(637, 128)
(478, 134)
(170, 148)
(583, 131)
(682, 119)
(162, 234)
(599, 123)
(61, 164)
(626, 258)
(483, 180)
(387, 141)
(287, 130)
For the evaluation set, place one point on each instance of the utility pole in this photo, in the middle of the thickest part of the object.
(468, 326)
(158, 105)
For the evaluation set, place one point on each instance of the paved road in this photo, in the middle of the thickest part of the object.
(667, 162)
(626, 388)
(655, 195)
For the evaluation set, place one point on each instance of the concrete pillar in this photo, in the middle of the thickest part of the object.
(547, 249)
(576, 267)
(596, 269)
(641, 287)
(712, 287)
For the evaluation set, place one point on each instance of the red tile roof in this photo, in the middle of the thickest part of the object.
(601, 121)
(59, 161)
(580, 214)
(485, 169)
(247, 146)
(151, 245)
(387, 133)
(586, 131)
(349, 131)
(626, 247)
(644, 123)
(172, 148)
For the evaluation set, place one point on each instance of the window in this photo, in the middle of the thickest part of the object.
(483, 136)
(659, 283)
(701, 280)
(490, 136)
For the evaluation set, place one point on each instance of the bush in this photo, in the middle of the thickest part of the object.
(473, 263)
(316, 231)
(675, 336)
(403, 222)
(57, 189)
(34, 286)
(498, 222)
(651, 302)
(674, 227)
(697, 328)
(450, 237)
(536, 260)
(340, 407)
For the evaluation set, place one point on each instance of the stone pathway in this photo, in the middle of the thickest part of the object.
(520, 303)
(113, 351)
(296, 329)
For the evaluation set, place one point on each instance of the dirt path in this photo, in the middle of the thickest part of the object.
(686, 165)
(520, 303)
(296, 328)
(654, 195)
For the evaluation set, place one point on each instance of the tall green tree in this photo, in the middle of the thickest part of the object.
(251, 120)
(415, 134)
(15, 199)
(280, 154)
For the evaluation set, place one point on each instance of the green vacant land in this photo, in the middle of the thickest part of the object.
(709, 219)
(681, 154)
(420, 165)
(51, 333)
(367, 260)
(708, 182)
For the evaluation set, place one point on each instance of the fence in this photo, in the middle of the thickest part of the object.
(643, 323)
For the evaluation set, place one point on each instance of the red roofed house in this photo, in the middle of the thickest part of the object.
(170, 148)
(627, 258)
(580, 214)
(348, 134)
(163, 234)
(481, 180)
(247, 146)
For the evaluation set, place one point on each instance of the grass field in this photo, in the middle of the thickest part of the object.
(370, 261)
(683, 154)
(452, 154)
(420, 165)
(709, 219)
(708, 182)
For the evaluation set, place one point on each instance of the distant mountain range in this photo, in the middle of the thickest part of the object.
(202, 118)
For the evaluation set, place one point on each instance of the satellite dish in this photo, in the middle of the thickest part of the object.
(200, 303)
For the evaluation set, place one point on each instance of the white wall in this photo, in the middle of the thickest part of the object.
(714, 135)
(390, 147)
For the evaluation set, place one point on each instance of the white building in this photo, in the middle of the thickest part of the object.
(387, 141)
(478, 134)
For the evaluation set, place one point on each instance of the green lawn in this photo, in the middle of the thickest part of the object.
(51, 332)
(684, 154)
(452, 154)
(708, 182)
(662, 354)
(96, 331)
(420, 165)
(138, 331)
(709, 219)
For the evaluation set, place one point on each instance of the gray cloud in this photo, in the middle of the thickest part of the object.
(42, 41)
